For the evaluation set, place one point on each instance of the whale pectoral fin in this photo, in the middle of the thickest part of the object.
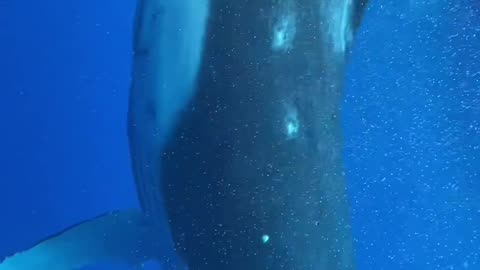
(125, 237)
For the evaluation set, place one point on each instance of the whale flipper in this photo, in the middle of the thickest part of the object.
(124, 237)
(168, 43)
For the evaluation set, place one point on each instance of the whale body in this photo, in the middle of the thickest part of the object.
(252, 175)
(235, 142)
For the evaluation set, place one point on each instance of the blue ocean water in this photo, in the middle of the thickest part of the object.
(412, 126)
(411, 122)
(63, 103)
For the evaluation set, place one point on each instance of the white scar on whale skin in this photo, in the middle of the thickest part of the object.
(284, 28)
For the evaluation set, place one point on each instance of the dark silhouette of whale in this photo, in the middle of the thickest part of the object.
(235, 140)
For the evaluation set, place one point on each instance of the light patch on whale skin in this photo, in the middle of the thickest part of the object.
(291, 123)
(338, 16)
(284, 33)
(265, 238)
(284, 28)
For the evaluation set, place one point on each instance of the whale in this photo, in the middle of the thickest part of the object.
(234, 129)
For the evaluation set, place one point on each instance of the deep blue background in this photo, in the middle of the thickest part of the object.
(65, 73)
(411, 120)
(412, 128)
